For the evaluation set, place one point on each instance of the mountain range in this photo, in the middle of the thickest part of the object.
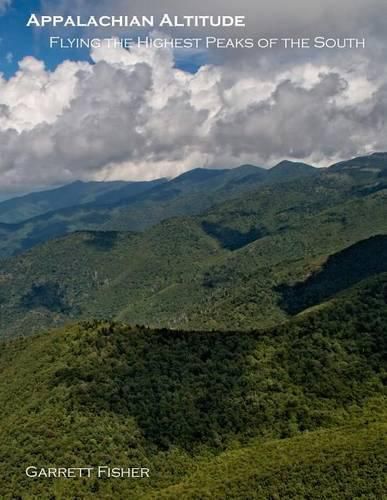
(38, 217)
(226, 329)
(234, 265)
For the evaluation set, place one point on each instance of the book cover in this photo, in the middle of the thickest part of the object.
(193, 249)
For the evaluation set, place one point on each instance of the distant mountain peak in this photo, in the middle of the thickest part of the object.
(199, 174)
(381, 155)
(291, 164)
(250, 166)
(375, 160)
(287, 170)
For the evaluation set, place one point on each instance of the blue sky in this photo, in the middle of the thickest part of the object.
(18, 41)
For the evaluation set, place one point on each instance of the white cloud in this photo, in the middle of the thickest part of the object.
(35, 96)
(133, 115)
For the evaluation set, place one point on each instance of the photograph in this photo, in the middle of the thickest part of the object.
(193, 250)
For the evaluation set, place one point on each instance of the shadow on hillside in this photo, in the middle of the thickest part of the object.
(190, 389)
(48, 295)
(43, 233)
(341, 271)
(232, 239)
(102, 240)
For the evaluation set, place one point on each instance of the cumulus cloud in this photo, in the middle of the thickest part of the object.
(134, 115)
(34, 95)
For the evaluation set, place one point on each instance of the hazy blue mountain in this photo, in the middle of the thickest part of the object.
(373, 166)
(93, 194)
(16, 210)
(287, 170)
(25, 207)
(131, 206)
(226, 267)
(376, 161)
(138, 206)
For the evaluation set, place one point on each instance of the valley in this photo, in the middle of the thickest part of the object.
(225, 330)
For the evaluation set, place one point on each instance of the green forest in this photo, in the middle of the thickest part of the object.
(236, 348)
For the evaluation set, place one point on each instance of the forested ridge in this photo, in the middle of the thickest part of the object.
(224, 329)
(234, 266)
(294, 410)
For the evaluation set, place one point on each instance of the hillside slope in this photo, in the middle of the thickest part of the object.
(210, 414)
(342, 463)
(39, 217)
(25, 207)
(226, 269)
(133, 207)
